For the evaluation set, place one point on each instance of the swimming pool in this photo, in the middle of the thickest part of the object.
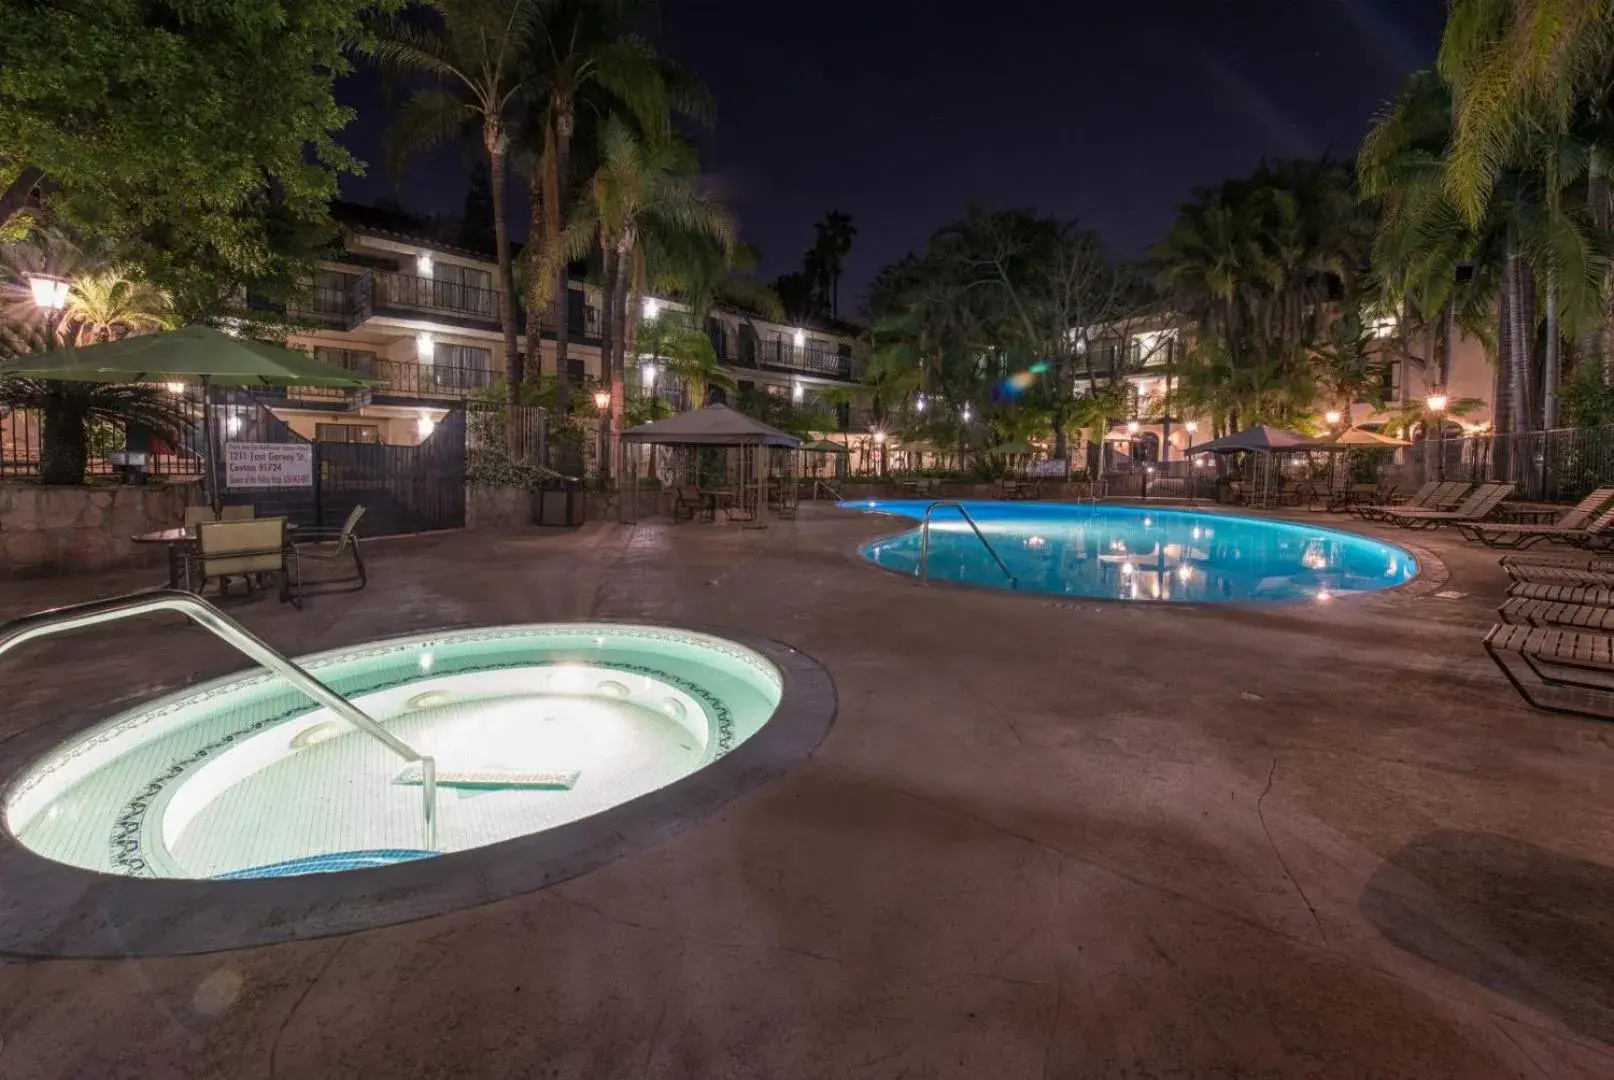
(1138, 553)
(531, 727)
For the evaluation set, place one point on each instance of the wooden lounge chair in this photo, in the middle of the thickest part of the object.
(1425, 496)
(1591, 617)
(1593, 595)
(1582, 518)
(1594, 563)
(328, 546)
(1486, 500)
(1561, 575)
(1558, 670)
(245, 549)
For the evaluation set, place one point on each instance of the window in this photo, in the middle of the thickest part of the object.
(330, 291)
(463, 288)
(369, 434)
(352, 359)
(1390, 385)
(459, 367)
(575, 372)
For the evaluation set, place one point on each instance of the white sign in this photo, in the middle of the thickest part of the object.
(268, 465)
(1051, 467)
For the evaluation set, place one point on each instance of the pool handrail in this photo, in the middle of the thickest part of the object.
(94, 612)
(924, 540)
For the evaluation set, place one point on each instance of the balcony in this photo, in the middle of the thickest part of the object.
(400, 378)
(781, 355)
(383, 291)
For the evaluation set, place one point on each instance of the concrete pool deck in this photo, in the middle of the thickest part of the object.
(1044, 838)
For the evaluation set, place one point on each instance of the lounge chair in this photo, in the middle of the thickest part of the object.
(1486, 500)
(1519, 611)
(1586, 595)
(1558, 670)
(1561, 575)
(1582, 518)
(1568, 562)
(1426, 496)
(245, 549)
(328, 546)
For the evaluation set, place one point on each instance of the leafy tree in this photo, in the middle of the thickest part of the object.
(141, 123)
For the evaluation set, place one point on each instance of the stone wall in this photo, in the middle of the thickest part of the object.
(56, 530)
(497, 508)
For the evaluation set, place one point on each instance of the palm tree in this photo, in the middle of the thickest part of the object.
(583, 56)
(472, 51)
(691, 359)
(1349, 365)
(642, 186)
(832, 243)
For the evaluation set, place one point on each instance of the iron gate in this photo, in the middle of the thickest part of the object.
(404, 489)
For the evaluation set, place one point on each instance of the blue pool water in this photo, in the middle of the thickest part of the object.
(1139, 553)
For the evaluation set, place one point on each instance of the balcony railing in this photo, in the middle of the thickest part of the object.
(393, 290)
(406, 378)
(781, 355)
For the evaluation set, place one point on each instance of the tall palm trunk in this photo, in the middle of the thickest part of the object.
(1597, 346)
(63, 444)
(560, 164)
(607, 348)
(623, 262)
(1519, 343)
(498, 146)
(1551, 361)
(538, 223)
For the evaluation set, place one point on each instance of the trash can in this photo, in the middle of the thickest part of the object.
(559, 502)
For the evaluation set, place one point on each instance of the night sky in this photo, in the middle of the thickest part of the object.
(901, 111)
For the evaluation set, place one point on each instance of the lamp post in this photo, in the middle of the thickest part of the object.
(602, 405)
(1332, 418)
(1435, 404)
(1132, 429)
(879, 443)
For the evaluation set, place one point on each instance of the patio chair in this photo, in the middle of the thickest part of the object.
(244, 549)
(1486, 500)
(686, 503)
(1583, 518)
(328, 546)
(1424, 496)
(1557, 670)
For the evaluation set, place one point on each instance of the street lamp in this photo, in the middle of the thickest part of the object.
(1133, 427)
(1436, 404)
(602, 402)
(1332, 417)
(879, 441)
(50, 297)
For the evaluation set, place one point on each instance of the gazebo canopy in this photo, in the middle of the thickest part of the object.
(824, 446)
(713, 425)
(1259, 438)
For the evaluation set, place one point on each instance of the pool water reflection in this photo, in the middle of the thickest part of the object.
(1139, 553)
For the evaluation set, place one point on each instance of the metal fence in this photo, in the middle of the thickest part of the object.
(113, 448)
(1562, 465)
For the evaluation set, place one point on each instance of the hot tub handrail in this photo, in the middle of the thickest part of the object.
(94, 612)
(924, 540)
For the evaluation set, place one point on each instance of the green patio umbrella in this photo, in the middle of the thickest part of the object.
(195, 354)
(823, 446)
(1015, 446)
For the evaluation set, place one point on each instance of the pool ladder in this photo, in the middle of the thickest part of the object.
(63, 620)
(924, 540)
